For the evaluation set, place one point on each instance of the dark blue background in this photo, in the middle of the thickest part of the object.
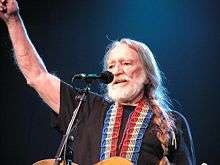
(71, 37)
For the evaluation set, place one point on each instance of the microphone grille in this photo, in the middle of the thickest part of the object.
(106, 77)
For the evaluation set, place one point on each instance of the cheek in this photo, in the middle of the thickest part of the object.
(135, 72)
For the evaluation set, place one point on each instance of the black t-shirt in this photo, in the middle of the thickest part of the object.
(87, 131)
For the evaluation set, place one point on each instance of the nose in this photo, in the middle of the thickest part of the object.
(117, 70)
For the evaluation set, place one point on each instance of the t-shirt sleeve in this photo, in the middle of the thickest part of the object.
(69, 98)
(184, 153)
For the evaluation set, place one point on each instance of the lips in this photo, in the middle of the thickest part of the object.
(119, 81)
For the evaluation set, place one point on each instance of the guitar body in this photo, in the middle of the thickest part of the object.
(50, 162)
(111, 161)
(115, 161)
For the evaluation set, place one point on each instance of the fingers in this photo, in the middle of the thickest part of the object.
(3, 1)
(3, 7)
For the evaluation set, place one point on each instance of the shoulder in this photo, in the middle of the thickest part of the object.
(182, 125)
(179, 119)
(177, 115)
(183, 137)
(69, 91)
(182, 129)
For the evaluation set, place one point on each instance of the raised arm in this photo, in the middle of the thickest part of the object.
(28, 60)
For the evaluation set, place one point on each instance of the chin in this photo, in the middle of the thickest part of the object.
(123, 94)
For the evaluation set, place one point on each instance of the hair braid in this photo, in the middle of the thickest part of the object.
(163, 121)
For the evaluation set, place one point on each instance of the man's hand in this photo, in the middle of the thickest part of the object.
(8, 9)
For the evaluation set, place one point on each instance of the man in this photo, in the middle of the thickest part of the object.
(134, 123)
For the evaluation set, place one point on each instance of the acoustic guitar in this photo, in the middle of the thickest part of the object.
(111, 161)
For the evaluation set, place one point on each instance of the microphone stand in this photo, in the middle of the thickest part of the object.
(65, 137)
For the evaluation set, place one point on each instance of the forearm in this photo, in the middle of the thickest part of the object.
(26, 55)
(28, 60)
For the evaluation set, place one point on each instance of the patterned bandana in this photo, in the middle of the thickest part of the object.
(138, 122)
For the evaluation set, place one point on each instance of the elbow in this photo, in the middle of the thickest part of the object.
(36, 80)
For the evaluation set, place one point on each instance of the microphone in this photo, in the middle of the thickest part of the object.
(105, 77)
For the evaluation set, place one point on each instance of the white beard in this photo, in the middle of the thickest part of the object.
(127, 93)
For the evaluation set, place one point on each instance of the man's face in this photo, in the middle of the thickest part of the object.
(129, 75)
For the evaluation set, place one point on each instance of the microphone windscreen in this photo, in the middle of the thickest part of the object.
(106, 77)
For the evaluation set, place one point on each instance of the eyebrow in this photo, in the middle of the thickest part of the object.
(120, 60)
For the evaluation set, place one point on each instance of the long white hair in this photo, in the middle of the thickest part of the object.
(155, 92)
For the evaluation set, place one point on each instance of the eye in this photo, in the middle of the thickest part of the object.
(127, 63)
(110, 66)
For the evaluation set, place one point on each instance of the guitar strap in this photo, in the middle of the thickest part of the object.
(136, 126)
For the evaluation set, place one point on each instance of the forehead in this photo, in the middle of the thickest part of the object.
(122, 52)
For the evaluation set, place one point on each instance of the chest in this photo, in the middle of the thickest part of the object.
(88, 142)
